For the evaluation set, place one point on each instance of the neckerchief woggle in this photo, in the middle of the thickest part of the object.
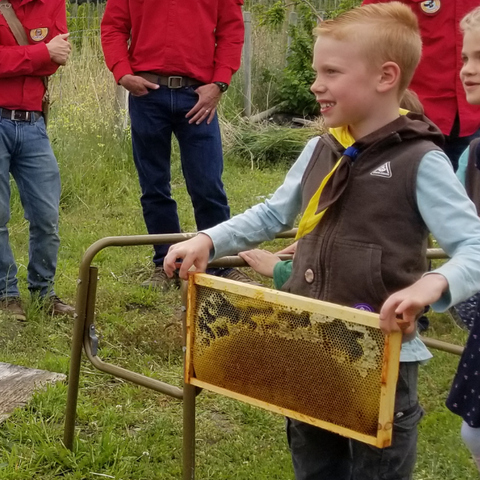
(333, 184)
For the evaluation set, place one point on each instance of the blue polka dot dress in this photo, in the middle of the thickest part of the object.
(467, 310)
(464, 397)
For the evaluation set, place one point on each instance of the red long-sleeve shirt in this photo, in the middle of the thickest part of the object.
(21, 67)
(436, 80)
(201, 39)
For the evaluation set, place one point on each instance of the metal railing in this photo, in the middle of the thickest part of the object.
(84, 336)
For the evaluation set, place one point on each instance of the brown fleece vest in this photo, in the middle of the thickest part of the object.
(372, 241)
(472, 176)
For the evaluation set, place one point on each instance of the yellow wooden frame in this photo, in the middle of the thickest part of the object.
(390, 362)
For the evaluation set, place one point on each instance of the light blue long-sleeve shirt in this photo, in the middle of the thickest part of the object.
(443, 204)
(462, 166)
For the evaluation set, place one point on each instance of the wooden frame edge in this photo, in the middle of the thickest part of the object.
(391, 360)
(345, 432)
(311, 305)
(189, 335)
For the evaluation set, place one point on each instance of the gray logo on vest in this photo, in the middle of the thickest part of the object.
(383, 171)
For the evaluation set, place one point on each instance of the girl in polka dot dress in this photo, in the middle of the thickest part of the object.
(464, 397)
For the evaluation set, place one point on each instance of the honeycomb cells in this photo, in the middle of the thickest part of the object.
(321, 367)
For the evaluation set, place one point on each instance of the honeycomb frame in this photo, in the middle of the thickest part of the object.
(225, 318)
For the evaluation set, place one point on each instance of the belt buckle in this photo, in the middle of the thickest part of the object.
(171, 81)
(19, 116)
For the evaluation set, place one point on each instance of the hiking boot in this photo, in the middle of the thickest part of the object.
(12, 307)
(160, 280)
(237, 275)
(55, 307)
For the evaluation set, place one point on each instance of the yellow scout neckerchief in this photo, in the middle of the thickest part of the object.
(315, 210)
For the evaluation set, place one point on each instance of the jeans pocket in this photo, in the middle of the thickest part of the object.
(149, 91)
(398, 461)
(407, 420)
(41, 128)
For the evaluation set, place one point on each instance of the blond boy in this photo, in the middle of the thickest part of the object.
(371, 190)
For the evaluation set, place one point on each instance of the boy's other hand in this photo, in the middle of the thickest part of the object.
(59, 48)
(195, 251)
(290, 250)
(261, 261)
(411, 301)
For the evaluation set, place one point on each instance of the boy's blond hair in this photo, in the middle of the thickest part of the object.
(471, 21)
(391, 35)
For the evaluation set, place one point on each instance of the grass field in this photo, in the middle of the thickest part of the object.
(123, 431)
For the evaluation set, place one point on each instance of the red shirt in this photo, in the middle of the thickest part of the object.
(201, 39)
(21, 67)
(436, 80)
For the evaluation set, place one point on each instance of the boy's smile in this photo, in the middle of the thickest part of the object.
(346, 86)
(470, 72)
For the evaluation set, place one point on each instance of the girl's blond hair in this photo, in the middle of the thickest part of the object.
(471, 21)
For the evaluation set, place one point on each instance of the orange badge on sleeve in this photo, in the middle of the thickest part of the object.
(38, 34)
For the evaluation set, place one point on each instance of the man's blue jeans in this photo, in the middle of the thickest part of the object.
(154, 118)
(25, 152)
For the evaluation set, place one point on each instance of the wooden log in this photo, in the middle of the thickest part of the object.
(264, 115)
(18, 384)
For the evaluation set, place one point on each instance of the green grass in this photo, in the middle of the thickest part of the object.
(124, 431)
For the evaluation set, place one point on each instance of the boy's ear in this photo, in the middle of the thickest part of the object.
(390, 77)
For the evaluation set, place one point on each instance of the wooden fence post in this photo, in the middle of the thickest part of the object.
(247, 63)
(292, 22)
(122, 105)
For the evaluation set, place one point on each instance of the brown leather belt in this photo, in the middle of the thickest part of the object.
(20, 115)
(173, 81)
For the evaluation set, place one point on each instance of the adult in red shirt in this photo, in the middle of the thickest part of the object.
(436, 80)
(25, 150)
(176, 58)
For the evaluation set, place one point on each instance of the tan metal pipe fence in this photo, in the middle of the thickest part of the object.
(84, 336)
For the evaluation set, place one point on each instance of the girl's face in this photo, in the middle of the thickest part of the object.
(470, 72)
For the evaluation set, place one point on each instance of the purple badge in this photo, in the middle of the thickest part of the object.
(364, 306)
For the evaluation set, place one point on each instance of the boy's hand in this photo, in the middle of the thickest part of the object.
(261, 261)
(410, 301)
(195, 251)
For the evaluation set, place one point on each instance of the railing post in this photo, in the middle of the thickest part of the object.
(87, 287)
(189, 394)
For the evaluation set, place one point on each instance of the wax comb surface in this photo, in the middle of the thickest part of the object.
(320, 363)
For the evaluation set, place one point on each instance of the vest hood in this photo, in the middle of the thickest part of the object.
(412, 126)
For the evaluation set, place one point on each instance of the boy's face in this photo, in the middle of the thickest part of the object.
(345, 85)
(470, 72)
